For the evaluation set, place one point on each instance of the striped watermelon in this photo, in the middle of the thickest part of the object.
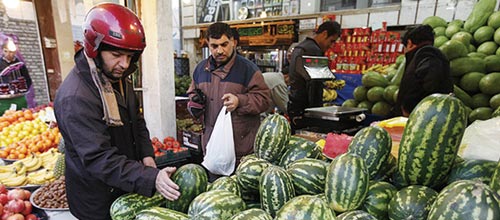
(347, 182)
(226, 183)
(215, 204)
(388, 169)
(253, 204)
(431, 140)
(275, 188)
(308, 176)
(159, 213)
(272, 138)
(356, 215)
(473, 169)
(495, 180)
(305, 207)
(248, 157)
(412, 202)
(298, 148)
(192, 181)
(398, 181)
(248, 175)
(252, 214)
(373, 144)
(465, 199)
(128, 205)
(378, 198)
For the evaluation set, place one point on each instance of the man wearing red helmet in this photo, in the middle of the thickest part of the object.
(108, 151)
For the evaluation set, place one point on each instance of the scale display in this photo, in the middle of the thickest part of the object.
(317, 67)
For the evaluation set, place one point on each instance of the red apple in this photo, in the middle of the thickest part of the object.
(3, 199)
(16, 194)
(3, 190)
(15, 206)
(6, 214)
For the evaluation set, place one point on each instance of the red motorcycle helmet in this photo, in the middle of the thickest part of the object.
(114, 25)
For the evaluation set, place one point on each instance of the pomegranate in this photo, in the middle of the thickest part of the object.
(27, 208)
(27, 194)
(3, 189)
(3, 199)
(30, 217)
(16, 194)
(15, 206)
(16, 216)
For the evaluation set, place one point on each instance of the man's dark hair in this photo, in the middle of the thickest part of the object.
(216, 30)
(419, 34)
(331, 27)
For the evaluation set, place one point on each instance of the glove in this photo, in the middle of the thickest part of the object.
(195, 109)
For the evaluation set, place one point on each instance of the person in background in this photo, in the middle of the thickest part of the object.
(427, 69)
(108, 150)
(228, 79)
(301, 84)
(9, 58)
(279, 91)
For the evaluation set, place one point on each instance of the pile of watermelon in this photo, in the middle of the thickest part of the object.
(287, 177)
(472, 46)
(378, 91)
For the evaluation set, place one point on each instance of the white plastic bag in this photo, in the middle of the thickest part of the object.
(219, 158)
(480, 140)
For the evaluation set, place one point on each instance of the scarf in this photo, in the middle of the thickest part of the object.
(108, 98)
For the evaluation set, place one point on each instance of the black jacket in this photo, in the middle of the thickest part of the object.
(427, 71)
(23, 72)
(304, 93)
(102, 162)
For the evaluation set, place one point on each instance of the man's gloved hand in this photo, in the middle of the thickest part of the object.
(195, 109)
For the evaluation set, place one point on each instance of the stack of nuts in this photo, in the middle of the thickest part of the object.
(15, 204)
(52, 195)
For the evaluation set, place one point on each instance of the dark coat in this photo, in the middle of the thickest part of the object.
(304, 93)
(102, 162)
(427, 71)
(23, 72)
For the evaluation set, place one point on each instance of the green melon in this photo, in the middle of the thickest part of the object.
(389, 93)
(470, 81)
(457, 22)
(480, 100)
(373, 144)
(276, 189)
(463, 65)
(484, 34)
(451, 30)
(308, 176)
(495, 101)
(489, 84)
(215, 204)
(356, 215)
(481, 11)
(359, 93)
(350, 103)
(412, 202)
(492, 63)
(496, 113)
(381, 108)
(481, 113)
(366, 105)
(495, 180)
(378, 198)
(371, 79)
(453, 49)
(498, 52)
(465, 199)
(494, 20)
(481, 170)
(472, 48)
(347, 182)
(488, 48)
(375, 94)
(431, 140)
(434, 21)
(440, 31)
(440, 40)
(476, 54)
(462, 95)
(464, 37)
(272, 138)
(252, 214)
(192, 180)
(496, 36)
(305, 207)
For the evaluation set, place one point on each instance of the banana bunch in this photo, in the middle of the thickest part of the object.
(335, 84)
(49, 158)
(15, 180)
(41, 177)
(329, 95)
(13, 174)
(382, 69)
(32, 162)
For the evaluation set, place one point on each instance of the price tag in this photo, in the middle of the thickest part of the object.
(13, 107)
